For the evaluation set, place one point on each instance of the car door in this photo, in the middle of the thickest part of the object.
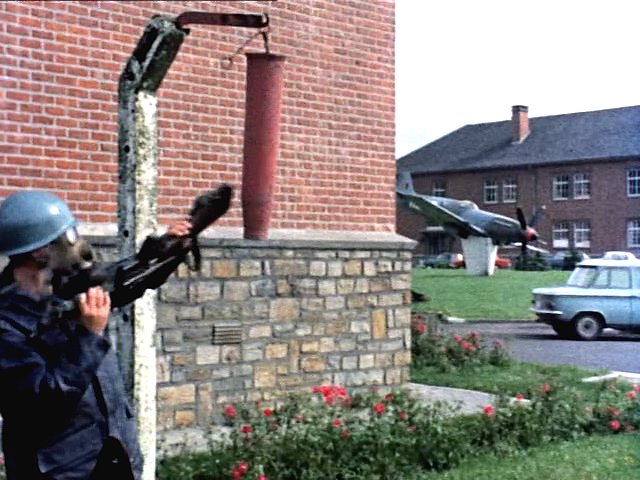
(613, 293)
(635, 297)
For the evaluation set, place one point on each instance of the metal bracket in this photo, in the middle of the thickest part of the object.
(223, 19)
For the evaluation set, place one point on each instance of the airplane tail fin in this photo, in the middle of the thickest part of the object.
(404, 183)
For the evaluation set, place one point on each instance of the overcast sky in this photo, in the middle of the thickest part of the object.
(462, 62)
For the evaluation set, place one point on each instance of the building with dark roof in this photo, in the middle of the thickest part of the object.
(582, 168)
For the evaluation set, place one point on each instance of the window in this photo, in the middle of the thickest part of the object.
(633, 233)
(490, 191)
(581, 185)
(561, 187)
(560, 235)
(439, 189)
(633, 182)
(582, 234)
(509, 190)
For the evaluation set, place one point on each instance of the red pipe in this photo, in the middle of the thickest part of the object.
(261, 141)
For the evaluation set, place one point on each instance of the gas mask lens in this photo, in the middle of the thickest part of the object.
(71, 235)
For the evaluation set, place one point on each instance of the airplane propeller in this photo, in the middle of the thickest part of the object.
(528, 232)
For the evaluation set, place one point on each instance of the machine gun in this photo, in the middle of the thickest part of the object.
(159, 256)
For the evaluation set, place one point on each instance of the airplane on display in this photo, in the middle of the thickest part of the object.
(480, 231)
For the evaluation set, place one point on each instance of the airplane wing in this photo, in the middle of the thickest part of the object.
(431, 209)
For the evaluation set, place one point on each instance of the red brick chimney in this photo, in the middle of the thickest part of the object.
(520, 122)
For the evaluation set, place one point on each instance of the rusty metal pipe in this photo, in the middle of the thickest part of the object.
(261, 141)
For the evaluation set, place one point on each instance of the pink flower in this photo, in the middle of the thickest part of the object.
(545, 388)
(457, 338)
(615, 425)
(388, 397)
(488, 411)
(466, 346)
(519, 397)
(379, 408)
(421, 328)
(631, 395)
(404, 416)
(636, 388)
(336, 422)
(230, 412)
(268, 412)
(262, 477)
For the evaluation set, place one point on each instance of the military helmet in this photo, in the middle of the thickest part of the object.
(32, 219)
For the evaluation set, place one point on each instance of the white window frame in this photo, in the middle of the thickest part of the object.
(439, 189)
(582, 234)
(510, 190)
(633, 182)
(490, 190)
(560, 181)
(560, 235)
(581, 186)
(633, 233)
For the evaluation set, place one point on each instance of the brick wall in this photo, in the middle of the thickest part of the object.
(59, 67)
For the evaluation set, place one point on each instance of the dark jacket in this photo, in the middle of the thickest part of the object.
(61, 394)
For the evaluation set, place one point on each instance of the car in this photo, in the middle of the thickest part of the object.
(442, 260)
(565, 259)
(499, 263)
(600, 293)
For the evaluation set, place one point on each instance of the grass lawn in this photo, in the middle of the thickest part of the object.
(506, 295)
(611, 457)
(518, 377)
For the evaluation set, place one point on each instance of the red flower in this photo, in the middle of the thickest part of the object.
(421, 328)
(615, 425)
(404, 416)
(488, 410)
(388, 397)
(545, 388)
(519, 397)
(336, 422)
(246, 429)
(457, 338)
(268, 412)
(230, 412)
(345, 434)
(379, 408)
(262, 477)
(466, 346)
(631, 395)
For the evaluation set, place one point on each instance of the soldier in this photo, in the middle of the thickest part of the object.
(65, 410)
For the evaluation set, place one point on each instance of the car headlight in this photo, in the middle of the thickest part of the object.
(544, 303)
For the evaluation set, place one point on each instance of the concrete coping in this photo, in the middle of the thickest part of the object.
(278, 238)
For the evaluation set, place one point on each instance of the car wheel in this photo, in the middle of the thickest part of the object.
(563, 329)
(587, 326)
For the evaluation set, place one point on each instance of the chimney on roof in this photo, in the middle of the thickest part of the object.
(520, 123)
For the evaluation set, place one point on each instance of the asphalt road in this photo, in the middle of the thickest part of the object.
(535, 342)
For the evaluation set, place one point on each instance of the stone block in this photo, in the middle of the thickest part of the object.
(378, 324)
(393, 376)
(345, 286)
(326, 287)
(250, 268)
(204, 408)
(166, 316)
(235, 291)
(226, 268)
(379, 284)
(205, 291)
(181, 359)
(189, 312)
(350, 362)
(366, 360)
(174, 292)
(335, 302)
(312, 364)
(259, 331)
(207, 354)
(230, 353)
(334, 268)
(317, 268)
(384, 360)
(276, 350)
(304, 286)
(284, 309)
(290, 267)
(390, 299)
(262, 288)
(284, 288)
(313, 304)
(327, 344)
(369, 268)
(355, 301)
(385, 266)
(401, 282)
(310, 347)
(402, 359)
(360, 326)
(353, 267)
(163, 369)
(177, 395)
(264, 376)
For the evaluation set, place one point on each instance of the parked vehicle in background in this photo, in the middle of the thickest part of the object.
(442, 260)
(601, 292)
(566, 259)
(500, 263)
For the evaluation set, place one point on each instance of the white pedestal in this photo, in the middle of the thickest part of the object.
(479, 255)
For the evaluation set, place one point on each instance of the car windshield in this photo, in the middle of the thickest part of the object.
(582, 277)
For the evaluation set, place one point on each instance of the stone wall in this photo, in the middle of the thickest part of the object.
(332, 308)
